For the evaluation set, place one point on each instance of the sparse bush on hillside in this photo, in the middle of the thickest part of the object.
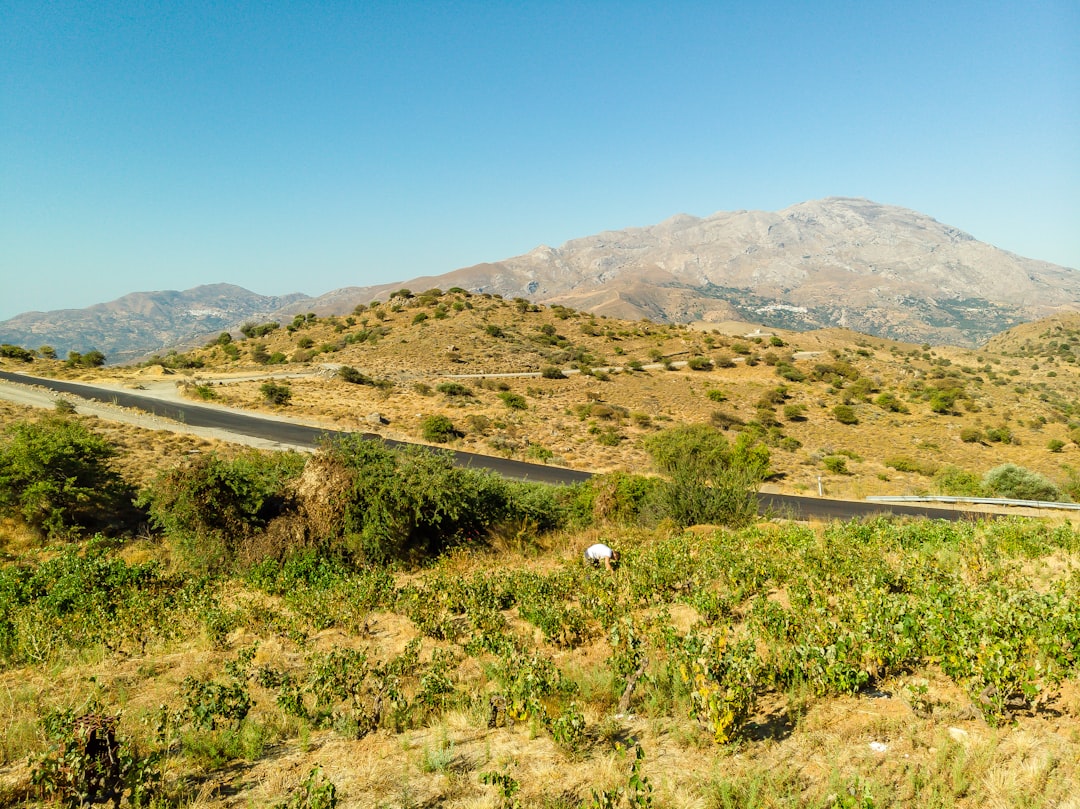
(971, 435)
(952, 480)
(699, 364)
(795, 412)
(514, 401)
(253, 330)
(891, 402)
(1017, 483)
(789, 372)
(453, 389)
(1001, 435)
(346, 373)
(837, 464)
(438, 429)
(551, 372)
(56, 475)
(905, 464)
(278, 394)
(845, 414)
(723, 420)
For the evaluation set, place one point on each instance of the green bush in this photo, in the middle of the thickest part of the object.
(91, 359)
(904, 464)
(845, 414)
(1055, 445)
(953, 480)
(890, 401)
(551, 372)
(277, 394)
(515, 401)
(789, 372)
(409, 503)
(1017, 483)
(347, 373)
(56, 475)
(709, 480)
(795, 412)
(210, 505)
(16, 352)
(837, 464)
(699, 364)
(453, 389)
(971, 435)
(438, 429)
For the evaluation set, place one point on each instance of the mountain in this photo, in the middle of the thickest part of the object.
(144, 322)
(854, 263)
(878, 269)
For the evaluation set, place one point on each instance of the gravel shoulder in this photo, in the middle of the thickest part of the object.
(34, 396)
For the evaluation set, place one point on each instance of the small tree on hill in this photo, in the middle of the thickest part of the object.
(709, 479)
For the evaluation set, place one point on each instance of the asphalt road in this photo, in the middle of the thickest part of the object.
(285, 432)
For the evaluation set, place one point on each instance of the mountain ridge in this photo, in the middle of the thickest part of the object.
(840, 261)
(140, 323)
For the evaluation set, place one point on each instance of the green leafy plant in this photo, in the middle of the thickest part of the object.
(438, 429)
(278, 394)
(57, 476)
(709, 480)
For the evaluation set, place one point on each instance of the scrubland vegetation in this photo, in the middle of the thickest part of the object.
(366, 627)
(548, 383)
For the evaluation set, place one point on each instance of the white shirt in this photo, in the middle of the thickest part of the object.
(598, 551)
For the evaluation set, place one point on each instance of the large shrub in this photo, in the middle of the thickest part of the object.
(410, 502)
(709, 479)
(56, 475)
(212, 504)
(1018, 483)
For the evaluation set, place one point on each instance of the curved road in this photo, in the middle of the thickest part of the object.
(285, 432)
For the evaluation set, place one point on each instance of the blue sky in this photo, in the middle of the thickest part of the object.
(309, 146)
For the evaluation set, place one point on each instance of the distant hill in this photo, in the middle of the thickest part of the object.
(839, 262)
(142, 323)
(853, 263)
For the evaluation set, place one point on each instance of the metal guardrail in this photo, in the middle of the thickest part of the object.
(984, 501)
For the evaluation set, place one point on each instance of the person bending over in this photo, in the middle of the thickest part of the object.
(601, 553)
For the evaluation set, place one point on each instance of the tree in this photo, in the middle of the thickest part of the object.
(709, 479)
(56, 475)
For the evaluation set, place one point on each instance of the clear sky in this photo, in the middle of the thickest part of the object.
(302, 147)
